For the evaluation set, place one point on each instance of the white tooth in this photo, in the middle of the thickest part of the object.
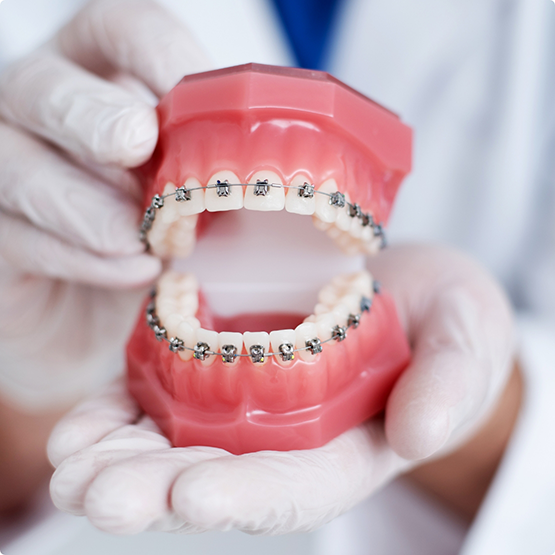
(347, 244)
(172, 322)
(279, 337)
(303, 333)
(165, 307)
(188, 334)
(188, 304)
(311, 318)
(324, 325)
(274, 199)
(319, 224)
(169, 212)
(371, 244)
(211, 338)
(257, 338)
(181, 241)
(333, 232)
(196, 204)
(215, 203)
(231, 338)
(324, 210)
(341, 314)
(321, 308)
(356, 228)
(296, 204)
(328, 295)
(157, 238)
(193, 322)
(187, 283)
(344, 221)
(168, 279)
(361, 283)
(352, 302)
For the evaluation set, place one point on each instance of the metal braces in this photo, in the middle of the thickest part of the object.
(261, 188)
(286, 351)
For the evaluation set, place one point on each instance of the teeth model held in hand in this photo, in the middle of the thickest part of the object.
(268, 139)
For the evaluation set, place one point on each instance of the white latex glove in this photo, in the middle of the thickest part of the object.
(115, 467)
(69, 207)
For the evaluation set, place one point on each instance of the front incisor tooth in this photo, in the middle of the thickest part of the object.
(216, 203)
(297, 204)
(257, 338)
(211, 338)
(281, 337)
(273, 200)
(303, 333)
(196, 204)
(231, 338)
(324, 211)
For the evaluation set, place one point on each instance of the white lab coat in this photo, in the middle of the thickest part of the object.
(476, 80)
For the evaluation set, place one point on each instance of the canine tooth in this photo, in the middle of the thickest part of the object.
(196, 205)
(344, 221)
(324, 210)
(228, 338)
(169, 213)
(298, 204)
(303, 333)
(282, 337)
(188, 334)
(264, 197)
(257, 338)
(211, 339)
(324, 325)
(217, 202)
(171, 323)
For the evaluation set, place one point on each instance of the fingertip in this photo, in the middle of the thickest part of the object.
(138, 136)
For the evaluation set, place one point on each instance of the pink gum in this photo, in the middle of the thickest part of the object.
(244, 408)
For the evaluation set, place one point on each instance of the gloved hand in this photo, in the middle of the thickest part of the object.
(74, 116)
(115, 467)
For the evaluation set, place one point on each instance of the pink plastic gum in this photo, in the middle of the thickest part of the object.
(244, 408)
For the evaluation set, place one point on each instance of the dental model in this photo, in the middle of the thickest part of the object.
(268, 139)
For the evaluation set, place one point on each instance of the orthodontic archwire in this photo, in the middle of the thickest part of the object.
(201, 351)
(261, 188)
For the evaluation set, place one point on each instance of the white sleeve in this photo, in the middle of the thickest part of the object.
(518, 514)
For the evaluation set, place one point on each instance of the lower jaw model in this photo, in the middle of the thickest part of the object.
(264, 139)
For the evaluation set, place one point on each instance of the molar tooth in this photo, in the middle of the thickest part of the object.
(211, 339)
(187, 283)
(264, 197)
(188, 334)
(303, 333)
(282, 337)
(257, 338)
(234, 199)
(196, 205)
(228, 338)
(324, 210)
(188, 304)
(298, 204)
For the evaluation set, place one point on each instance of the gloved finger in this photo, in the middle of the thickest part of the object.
(73, 477)
(132, 495)
(461, 329)
(30, 250)
(281, 492)
(135, 36)
(92, 420)
(64, 200)
(79, 112)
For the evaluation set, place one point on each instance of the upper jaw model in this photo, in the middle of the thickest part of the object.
(267, 139)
